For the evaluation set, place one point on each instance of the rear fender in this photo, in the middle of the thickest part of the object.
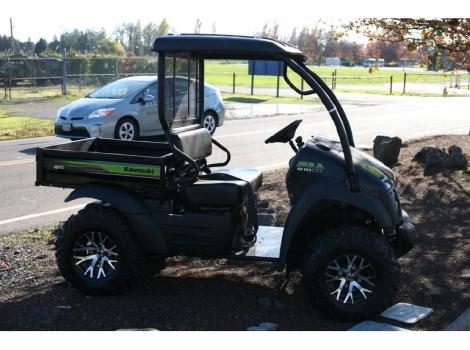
(333, 190)
(146, 228)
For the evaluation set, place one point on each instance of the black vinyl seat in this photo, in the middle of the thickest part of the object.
(253, 176)
(216, 193)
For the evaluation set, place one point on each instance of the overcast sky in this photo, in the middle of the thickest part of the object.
(46, 18)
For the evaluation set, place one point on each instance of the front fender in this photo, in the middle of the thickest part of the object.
(145, 227)
(328, 189)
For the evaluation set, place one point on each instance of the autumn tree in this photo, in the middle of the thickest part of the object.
(448, 36)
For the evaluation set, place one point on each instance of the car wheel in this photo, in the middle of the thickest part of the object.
(127, 129)
(210, 121)
(351, 272)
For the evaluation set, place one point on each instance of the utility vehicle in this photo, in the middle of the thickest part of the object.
(344, 232)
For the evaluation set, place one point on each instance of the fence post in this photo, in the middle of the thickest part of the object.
(302, 88)
(5, 75)
(9, 74)
(277, 86)
(64, 72)
(404, 83)
(233, 83)
(332, 80)
(252, 82)
(116, 68)
(391, 84)
(336, 74)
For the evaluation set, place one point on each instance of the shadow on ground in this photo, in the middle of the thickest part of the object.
(200, 296)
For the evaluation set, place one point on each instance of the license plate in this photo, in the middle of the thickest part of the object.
(66, 127)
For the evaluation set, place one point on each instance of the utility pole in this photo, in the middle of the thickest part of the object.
(11, 36)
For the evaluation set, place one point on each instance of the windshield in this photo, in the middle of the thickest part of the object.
(124, 88)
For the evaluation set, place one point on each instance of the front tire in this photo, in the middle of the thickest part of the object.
(351, 272)
(127, 129)
(96, 251)
(210, 121)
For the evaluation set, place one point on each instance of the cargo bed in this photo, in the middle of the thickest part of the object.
(133, 164)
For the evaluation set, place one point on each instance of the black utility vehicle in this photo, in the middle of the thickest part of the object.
(344, 232)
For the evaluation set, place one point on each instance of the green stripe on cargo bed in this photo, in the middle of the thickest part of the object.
(108, 168)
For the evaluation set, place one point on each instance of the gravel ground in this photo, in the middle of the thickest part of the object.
(194, 294)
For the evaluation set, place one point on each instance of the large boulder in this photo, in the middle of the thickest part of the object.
(439, 159)
(387, 149)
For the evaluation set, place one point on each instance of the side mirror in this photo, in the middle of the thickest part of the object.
(147, 99)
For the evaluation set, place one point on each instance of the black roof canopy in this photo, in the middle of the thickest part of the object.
(226, 47)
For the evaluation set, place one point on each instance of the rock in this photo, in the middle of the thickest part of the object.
(40, 257)
(439, 159)
(387, 149)
(264, 326)
(45, 315)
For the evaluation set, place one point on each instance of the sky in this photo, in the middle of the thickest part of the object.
(45, 18)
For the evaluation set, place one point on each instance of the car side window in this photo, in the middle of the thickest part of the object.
(151, 90)
(181, 87)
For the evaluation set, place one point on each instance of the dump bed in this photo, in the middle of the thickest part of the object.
(132, 164)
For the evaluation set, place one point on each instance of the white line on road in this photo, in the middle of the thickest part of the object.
(32, 216)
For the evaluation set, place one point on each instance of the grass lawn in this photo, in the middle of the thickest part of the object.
(218, 73)
(246, 98)
(17, 127)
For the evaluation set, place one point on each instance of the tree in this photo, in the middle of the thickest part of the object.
(214, 28)
(293, 37)
(197, 26)
(163, 27)
(41, 46)
(449, 36)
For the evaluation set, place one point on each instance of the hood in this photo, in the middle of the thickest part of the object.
(84, 106)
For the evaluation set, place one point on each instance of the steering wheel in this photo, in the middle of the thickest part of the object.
(286, 134)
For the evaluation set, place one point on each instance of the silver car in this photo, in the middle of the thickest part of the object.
(126, 109)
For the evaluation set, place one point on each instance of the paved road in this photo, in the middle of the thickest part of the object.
(22, 205)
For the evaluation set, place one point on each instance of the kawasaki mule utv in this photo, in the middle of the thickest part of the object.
(155, 200)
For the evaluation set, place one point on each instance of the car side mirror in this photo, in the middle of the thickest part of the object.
(147, 99)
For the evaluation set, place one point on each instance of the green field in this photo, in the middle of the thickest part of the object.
(221, 74)
(18, 127)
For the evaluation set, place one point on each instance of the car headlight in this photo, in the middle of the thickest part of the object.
(102, 112)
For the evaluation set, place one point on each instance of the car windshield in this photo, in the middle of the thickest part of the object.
(119, 89)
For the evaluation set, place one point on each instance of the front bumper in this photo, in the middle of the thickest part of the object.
(406, 234)
(83, 129)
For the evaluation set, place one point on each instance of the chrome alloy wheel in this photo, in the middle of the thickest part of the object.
(95, 255)
(127, 131)
(209, 123)
(350, 279)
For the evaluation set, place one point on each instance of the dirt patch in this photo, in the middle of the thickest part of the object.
(194, 294)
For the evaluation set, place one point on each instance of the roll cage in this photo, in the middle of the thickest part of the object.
(202, 47)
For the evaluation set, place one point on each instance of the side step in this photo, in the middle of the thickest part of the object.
(267, 246)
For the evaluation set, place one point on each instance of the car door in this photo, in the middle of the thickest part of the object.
(147, 111)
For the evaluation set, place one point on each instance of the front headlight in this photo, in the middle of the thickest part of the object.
(102, 112)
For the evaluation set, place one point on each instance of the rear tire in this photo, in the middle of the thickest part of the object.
(118, 255)
(364, 290)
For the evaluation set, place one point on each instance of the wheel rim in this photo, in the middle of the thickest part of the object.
(209, 122)
(126, 131)
(95, 255)
(350, 279)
